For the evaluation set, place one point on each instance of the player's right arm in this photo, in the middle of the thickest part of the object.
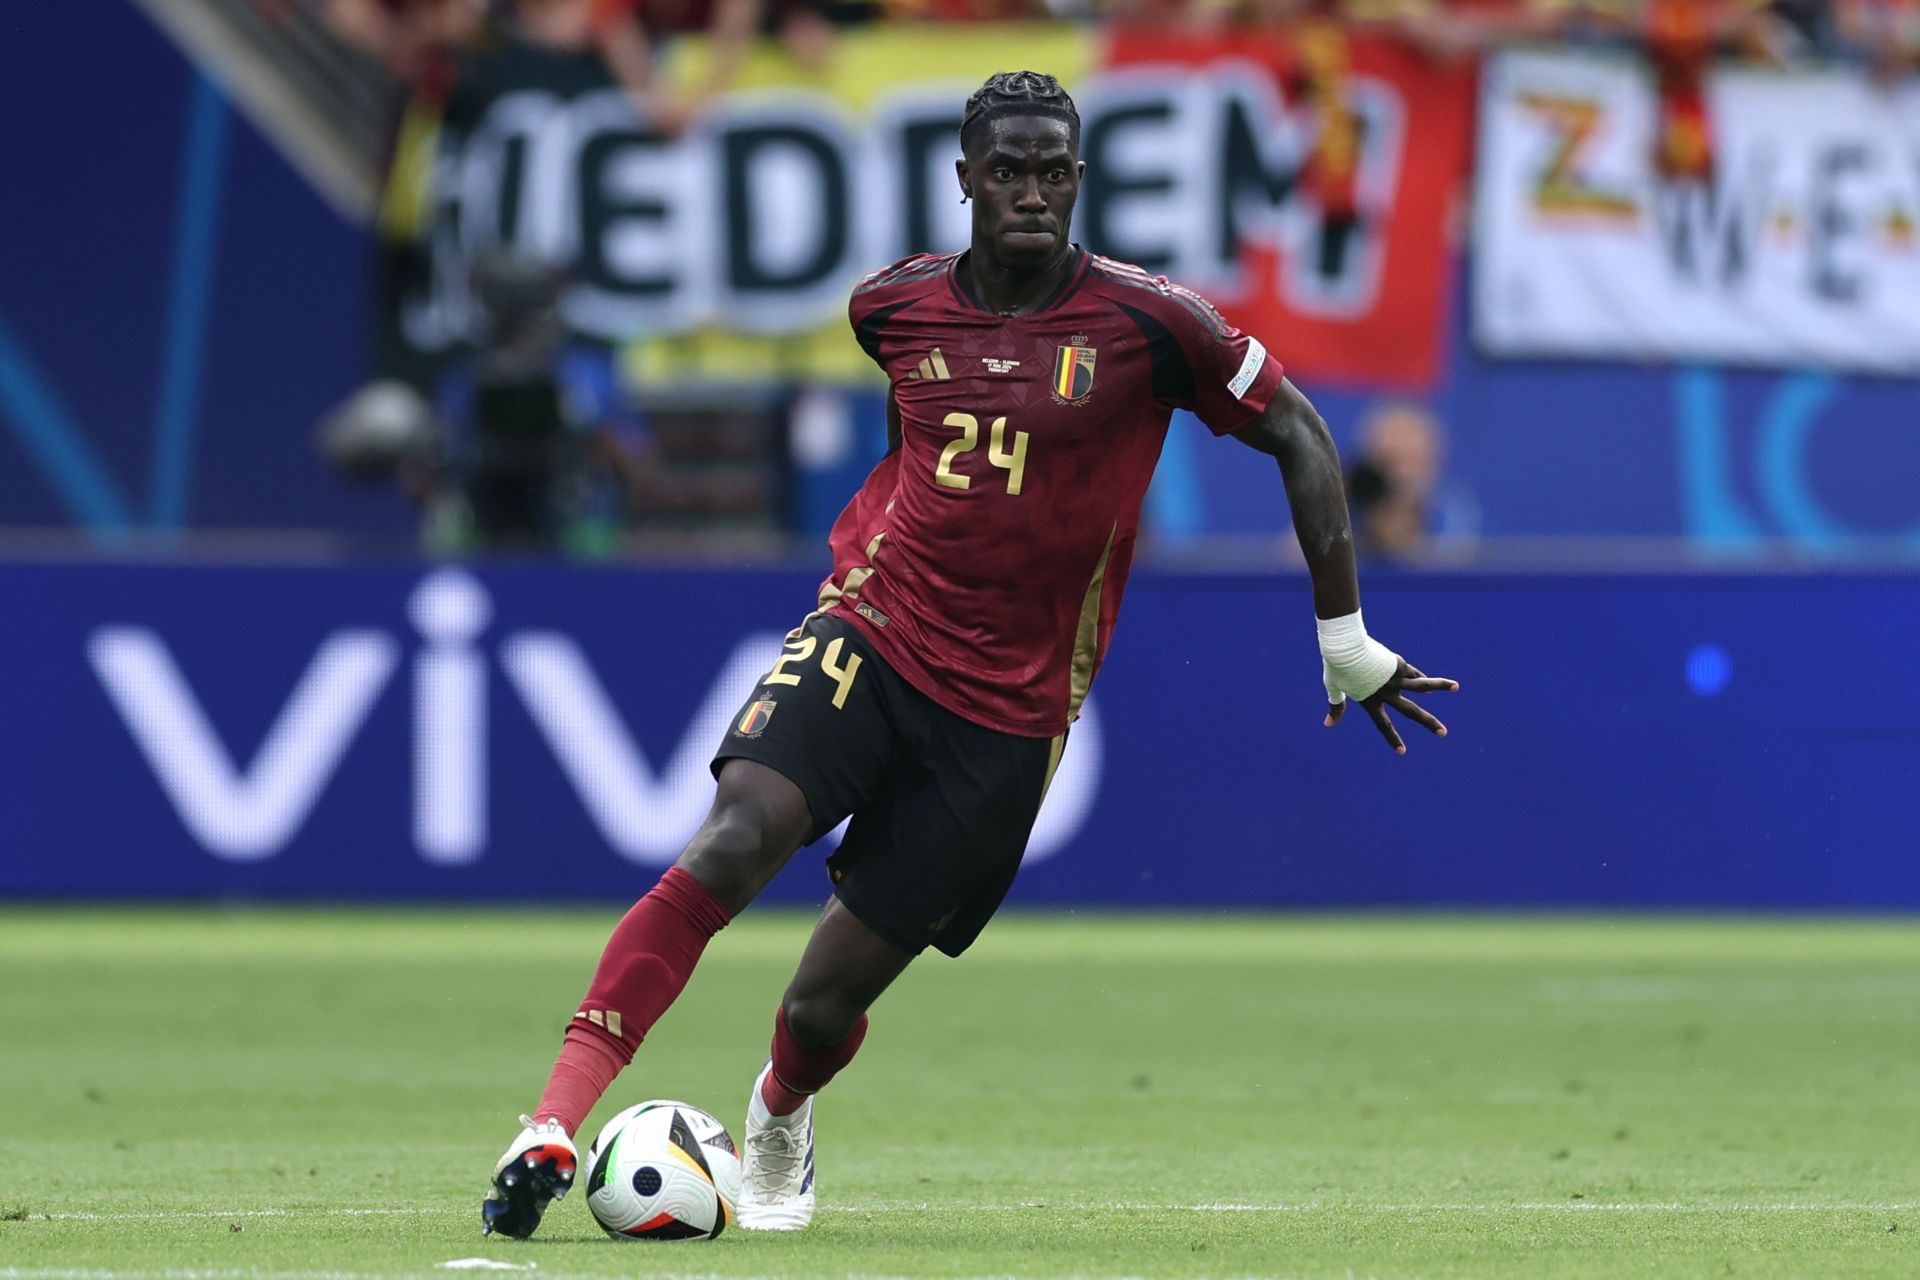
(1291, 431)
(876, 300)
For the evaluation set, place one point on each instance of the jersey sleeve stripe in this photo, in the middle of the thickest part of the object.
(1201, 309)
(871, 329)
(1172, 374)
(904, 273)
(1127, 273)
(1135, 277)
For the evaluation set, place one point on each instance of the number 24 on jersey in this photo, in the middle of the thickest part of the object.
(1012, 460)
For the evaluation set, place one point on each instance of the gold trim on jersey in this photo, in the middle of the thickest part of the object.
(832, 593)
(1054, 749)
(1086, 636)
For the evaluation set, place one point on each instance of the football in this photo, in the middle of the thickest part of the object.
(663, 1170)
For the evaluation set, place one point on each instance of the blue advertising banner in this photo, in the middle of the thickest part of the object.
(531, 732)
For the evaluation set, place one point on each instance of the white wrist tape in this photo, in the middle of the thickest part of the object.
(1352, 663)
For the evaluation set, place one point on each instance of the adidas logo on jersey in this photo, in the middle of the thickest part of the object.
(934, 366)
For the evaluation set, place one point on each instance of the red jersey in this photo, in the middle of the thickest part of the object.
(985, 558)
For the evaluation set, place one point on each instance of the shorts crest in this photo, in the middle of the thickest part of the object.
(753, 722)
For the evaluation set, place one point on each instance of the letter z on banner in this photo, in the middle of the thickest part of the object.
(1802, 250)
(1303, 184)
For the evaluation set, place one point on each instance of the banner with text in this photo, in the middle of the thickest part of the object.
(1306, 196)
(1305, 186)
(1801, 248)
(517, 732)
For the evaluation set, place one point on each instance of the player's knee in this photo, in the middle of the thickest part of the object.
(821, 1018)
(736, 830)
(736, 851)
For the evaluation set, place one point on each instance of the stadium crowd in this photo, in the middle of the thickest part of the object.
(415, 38)
(1393, 478)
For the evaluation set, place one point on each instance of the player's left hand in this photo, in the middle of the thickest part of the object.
(1406, 679)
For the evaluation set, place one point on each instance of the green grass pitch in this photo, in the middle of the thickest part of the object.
(261, 1095)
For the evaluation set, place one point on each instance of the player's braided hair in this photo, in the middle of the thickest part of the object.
(1026, 93)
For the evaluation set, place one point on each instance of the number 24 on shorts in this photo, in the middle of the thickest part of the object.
(830, 665)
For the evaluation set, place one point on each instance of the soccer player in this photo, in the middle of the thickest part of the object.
(977, 575)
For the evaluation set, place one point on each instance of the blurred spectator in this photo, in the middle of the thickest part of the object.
(582, 26)
(533, 444)
(1801, 29)
(529, 445)
(1680, 38)
(420, 43)
(537, 443)
(413, 39)
(1317, 35)
(1886, 33)
(730, 25)
(1461, 28)
(964, 10)
(383, 430)
(1392, 480)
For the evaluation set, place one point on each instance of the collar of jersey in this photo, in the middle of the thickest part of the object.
(963, 287)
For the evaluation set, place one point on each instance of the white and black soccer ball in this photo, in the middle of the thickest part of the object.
(663, 1171)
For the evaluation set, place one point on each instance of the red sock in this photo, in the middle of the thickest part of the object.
(587, 1066)
(799, 1072)
(642, 971)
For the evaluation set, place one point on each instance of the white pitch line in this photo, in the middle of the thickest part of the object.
(1130, 1206)
(173, 1273)
(1791, 1206)
(162, 1216)
(1544, 1206)
(424, 1272)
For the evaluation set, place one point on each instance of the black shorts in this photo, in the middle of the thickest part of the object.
(941, 806)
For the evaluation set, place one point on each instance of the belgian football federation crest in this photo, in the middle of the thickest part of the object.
(753, 722)
(1073, 373)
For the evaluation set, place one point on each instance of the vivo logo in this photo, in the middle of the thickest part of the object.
(247, 812)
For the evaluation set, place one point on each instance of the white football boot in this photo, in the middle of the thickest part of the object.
(776, 1174)
(537, 1169)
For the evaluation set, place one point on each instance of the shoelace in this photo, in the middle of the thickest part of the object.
(547, 1128)
(776, 1162)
